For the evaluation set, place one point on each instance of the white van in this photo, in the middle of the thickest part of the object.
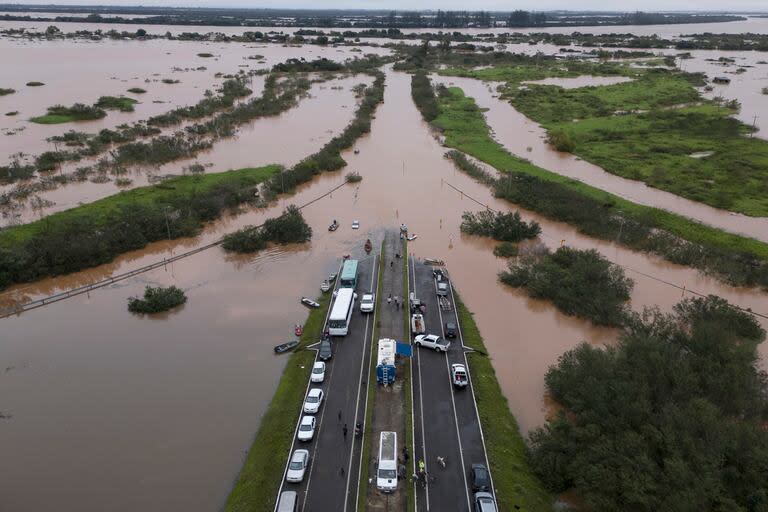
(386, 473)
(289, 502)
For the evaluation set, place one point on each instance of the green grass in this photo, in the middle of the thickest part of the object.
(175, 187)
(531, 70)
(116, 103)
(53, 119)
(466, 130)
(370, 391)
(259, 480)
(514, 482)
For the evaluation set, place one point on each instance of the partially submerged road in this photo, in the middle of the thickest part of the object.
(330, 482)
(446, 422)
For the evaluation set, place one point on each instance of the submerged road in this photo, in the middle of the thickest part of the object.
(330, 482)
(446, 421)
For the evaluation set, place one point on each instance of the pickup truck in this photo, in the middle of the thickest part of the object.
(417, 323)
(432, 341)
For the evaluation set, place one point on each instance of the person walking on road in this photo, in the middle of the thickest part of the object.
(422, 466)
(339, 415)
(389, 299)
(344, 431)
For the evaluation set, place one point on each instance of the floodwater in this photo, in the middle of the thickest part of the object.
(283, 139)
(527, 139)
(112, 411)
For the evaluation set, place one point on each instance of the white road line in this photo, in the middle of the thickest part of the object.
(453, 404)
(472, 389)
(421, 410)
(298, 422)
(359, 386)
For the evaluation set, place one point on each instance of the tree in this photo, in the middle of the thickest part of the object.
(141, 32)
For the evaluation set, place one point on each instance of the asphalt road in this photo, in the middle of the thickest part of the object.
(330, 482)
(446, 419)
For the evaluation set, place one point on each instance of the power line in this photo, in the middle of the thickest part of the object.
(644, 274)
(73, 292)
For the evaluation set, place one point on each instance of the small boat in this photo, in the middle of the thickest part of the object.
(285, 347)
(298, 329)
(433, 261)
(357, 151)
(368, 246)
(412, 238)
(334, 226)
(331, 278)
(325, 286)
(355, 224)
(309, 302)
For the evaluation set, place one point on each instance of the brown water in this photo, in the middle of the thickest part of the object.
(117, 412)
(527, 139)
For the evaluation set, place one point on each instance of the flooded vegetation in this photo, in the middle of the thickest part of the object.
(371, 140)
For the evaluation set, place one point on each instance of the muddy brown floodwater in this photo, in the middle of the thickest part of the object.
(112, 411)
(527, 139)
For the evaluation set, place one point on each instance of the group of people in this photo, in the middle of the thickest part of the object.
(396, 299)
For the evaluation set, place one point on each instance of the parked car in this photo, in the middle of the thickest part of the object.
(432, 341)
(307, 428)
(313, 401)
(367, 303)
(318, 372)
(459, 375)
(484, 502)
(289, 502)
(480, 478)
(442, 289)
(297, 466)
(451, 329)
(326, 350)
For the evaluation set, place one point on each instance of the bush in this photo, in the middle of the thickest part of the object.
(353, 177)
(505, 250)
(115, 103)
(562, 141)
(157, 300)
(5, 92)
(672, 418)
(35, 84)
(504, 227)
(246, 240)
(137, 90)
(205, 55)
(424, 96)
(579, 283)
(290, 227)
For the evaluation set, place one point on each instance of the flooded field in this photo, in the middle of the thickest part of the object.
(122, 413)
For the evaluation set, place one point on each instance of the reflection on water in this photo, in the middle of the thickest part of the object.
(114, 411)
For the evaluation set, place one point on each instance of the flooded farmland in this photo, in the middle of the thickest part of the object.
(117, 412)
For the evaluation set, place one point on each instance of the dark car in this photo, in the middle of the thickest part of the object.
(326, 351)
(481, 480)
(451, 330)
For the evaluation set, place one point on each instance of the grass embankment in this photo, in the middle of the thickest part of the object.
(531, 69)
(368, 440)
(733, 258)
(650, 141)
(58, 114)
(95, 233)
(515, 484)
(258, 482)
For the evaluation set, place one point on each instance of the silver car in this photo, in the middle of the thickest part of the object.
(298, 466)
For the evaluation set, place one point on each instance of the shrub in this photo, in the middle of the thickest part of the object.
(137, 90)
(504, 227)
(205, 55)
(248, 239)
(562, 141)
(290, 227)
(35, 84)
(170, 81)
(5, 92)
(505, 250)
(579, 283)
(115, 103)
(424, 96)
(672, 418)
(157, 299)
(353, 177)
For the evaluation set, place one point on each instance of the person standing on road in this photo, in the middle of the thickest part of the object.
(344, 431)
(389, 299)
(339, 415)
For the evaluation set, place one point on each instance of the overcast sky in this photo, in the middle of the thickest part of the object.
(626, 5)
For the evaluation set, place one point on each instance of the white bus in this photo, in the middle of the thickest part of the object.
(386, 473)
(341, 312)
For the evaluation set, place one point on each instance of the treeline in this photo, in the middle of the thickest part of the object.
(288, 228)
(329, 157)
(579, 283)
(157, 299)
(94, 234)
(671, 418)
(503, 227)
(424, 96)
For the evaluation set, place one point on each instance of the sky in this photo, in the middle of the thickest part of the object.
(472, 5)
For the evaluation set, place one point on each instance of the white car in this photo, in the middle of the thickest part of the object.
(355, 224)
(459, 375)
(297, 466)
(367, 303)
(318, 372)
(432, 341)
(307, 428)
(313, 401)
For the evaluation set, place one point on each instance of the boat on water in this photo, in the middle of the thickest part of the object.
(331, 278)
(298, 329)
(325, 286)
(355, 224)
(309, 302)
(285, 347)
(434, 261)
(411, 238)
(334, 226)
